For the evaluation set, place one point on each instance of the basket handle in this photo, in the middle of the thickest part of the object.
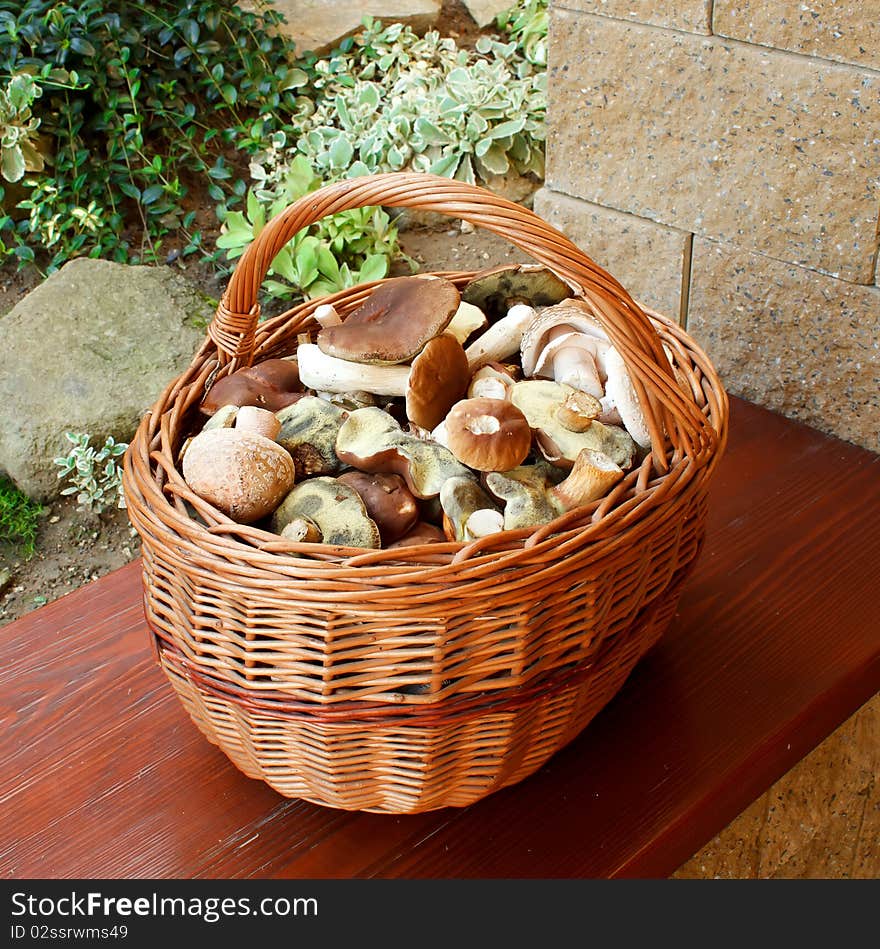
(671, 418)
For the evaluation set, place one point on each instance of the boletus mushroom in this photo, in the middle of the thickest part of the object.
(387, 500)
(371, 440)
(495, 291)
(241, 472)
(272, 384)
(488, 434)
(542, 402)
(393, 324)
(334, 508)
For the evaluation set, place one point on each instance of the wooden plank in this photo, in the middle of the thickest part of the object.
(104, 775)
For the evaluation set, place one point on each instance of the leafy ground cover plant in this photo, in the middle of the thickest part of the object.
(527, 24)
(94, 475)
(336, 253)
(19, 518)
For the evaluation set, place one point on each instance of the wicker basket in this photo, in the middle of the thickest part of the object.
(411, 679)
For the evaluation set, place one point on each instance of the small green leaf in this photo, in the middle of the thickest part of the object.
(341, 152)
(374, 267)
(327, 264)
(79, 44)
(12, 166)
(151, 194)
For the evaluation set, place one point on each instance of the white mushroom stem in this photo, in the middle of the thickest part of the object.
(609, 414)
(326, 315)
(326, 373)
(502, 339)
(467, 320)
(302, 530)
(620, 390)
(482, 523)
(592, 476)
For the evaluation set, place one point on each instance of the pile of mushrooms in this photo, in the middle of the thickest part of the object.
(427, 414)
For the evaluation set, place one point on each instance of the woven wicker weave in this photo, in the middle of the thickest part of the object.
(410, 679)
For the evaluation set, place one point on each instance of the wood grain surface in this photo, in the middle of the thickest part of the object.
(776, 643)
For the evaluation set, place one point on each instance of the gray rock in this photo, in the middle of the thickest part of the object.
(485, 11)
(319, 25)
(89, 350)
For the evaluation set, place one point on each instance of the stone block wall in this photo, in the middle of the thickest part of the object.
(722, 159)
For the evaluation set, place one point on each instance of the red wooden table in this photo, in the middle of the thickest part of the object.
(776, 642)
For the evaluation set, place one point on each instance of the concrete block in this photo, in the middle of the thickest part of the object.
(647, 258)
(771, 151)
(799, 342)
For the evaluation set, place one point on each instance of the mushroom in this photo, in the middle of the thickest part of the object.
(502, 339)
(303, 531)
(334, 508)
(242, 473)
(330, 374)
(620, 391)
(482, 523)
(495, 291)
(592, 476)
(567, 344)
(251, 418)
(437, 380)
(533, 496)
(371, 440)
(578, 410)
(540, 401)
(308, 431)
(422, 533)
(272, 384)
(460, 498)
(492, 381)
(394, 323)
(526, 493)
(488, 434)
(387, 500)
(467, 320)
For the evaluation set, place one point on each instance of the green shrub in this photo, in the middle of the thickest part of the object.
(527, 24)
(142, 102)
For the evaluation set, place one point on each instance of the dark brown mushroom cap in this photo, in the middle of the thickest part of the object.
(388, 501)
(271, 385)
(393, 324)
(437, 380)
(495, 291)
(422, 533)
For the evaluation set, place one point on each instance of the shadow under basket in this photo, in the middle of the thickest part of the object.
(417, 678)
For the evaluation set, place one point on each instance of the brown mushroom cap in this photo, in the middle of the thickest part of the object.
(422, 533)
(495, 291)
(243, 474)
(488, 434)
(437, 380)
(388, 502)
(393, 324)
(271, 385)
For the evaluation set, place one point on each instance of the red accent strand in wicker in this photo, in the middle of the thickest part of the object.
(428, 676)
